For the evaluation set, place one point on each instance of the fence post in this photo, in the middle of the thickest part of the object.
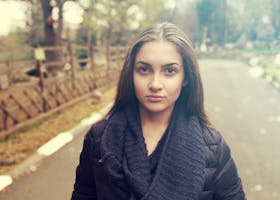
(4, 117)
(41, 84)
(90, 50)
(9, 72)
(91, 57)
(108, 57)
(71, 61)
(1, 117)
(119, 52)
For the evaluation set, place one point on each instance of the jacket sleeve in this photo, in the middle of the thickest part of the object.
(84, 187)
(227, 184)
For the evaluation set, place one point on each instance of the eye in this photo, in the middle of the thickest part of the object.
(170, 70)
(143, 69)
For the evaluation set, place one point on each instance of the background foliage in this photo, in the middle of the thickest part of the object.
(115, 22)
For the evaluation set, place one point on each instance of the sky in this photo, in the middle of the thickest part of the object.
(13, 14)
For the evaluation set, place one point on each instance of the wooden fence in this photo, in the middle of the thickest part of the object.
(26, 103)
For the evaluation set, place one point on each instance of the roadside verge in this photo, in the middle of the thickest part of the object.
(53, 145)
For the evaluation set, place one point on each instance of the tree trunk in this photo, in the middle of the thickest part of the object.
(218, 27)
(60, 21)
(276, 17)
(49, 32)
(50, 37)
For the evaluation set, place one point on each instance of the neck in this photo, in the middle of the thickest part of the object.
(153, 126)
(155, 118)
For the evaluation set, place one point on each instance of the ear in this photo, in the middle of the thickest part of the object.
(185, 83)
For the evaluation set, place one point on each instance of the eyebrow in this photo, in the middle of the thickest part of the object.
(165, 65)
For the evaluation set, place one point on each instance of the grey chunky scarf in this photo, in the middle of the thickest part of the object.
(180, 171)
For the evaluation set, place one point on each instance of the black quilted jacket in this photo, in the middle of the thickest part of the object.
(221, 178)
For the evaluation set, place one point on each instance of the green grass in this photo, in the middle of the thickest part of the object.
(273, 71)
(263, 50)
(271, 68)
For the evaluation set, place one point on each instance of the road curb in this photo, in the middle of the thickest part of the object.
(52, 146)
(254, 63)
(274, 83)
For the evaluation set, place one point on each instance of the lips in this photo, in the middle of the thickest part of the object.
(154, 98)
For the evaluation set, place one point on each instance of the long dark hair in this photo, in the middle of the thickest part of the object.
(191, 98)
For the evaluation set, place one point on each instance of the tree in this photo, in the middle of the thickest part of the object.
(48, 21)
(275, 17)
(43, 28)
(53, 30)
(34, 24)
(213, 20)
(109, 20)
(246, 17)
(113, 21)
(186, 17)
(218, 29)
(41, 11)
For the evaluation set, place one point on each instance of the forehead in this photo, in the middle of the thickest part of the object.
(159, 51)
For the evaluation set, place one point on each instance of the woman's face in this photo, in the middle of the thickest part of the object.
(158, 76)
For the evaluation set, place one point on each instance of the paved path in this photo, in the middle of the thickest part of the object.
(245, 109)
(53, 179)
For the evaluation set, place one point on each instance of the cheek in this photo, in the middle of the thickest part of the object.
(138, 86)
(174, 88)
(174, 91)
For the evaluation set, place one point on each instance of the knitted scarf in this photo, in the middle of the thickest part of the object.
(180, 171)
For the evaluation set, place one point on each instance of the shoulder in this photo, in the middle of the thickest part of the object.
(211, 136)
(93, 138)
(96, 130)
(221, 171)
(217, 151)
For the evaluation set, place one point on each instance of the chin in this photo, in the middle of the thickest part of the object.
(156, 108)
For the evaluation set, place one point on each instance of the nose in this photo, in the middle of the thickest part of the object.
(155, 83)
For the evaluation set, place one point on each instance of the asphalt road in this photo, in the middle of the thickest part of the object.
(243, 107)
(53, 179)
(246, 110)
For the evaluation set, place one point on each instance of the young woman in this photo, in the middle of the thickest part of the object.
(157, 143)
